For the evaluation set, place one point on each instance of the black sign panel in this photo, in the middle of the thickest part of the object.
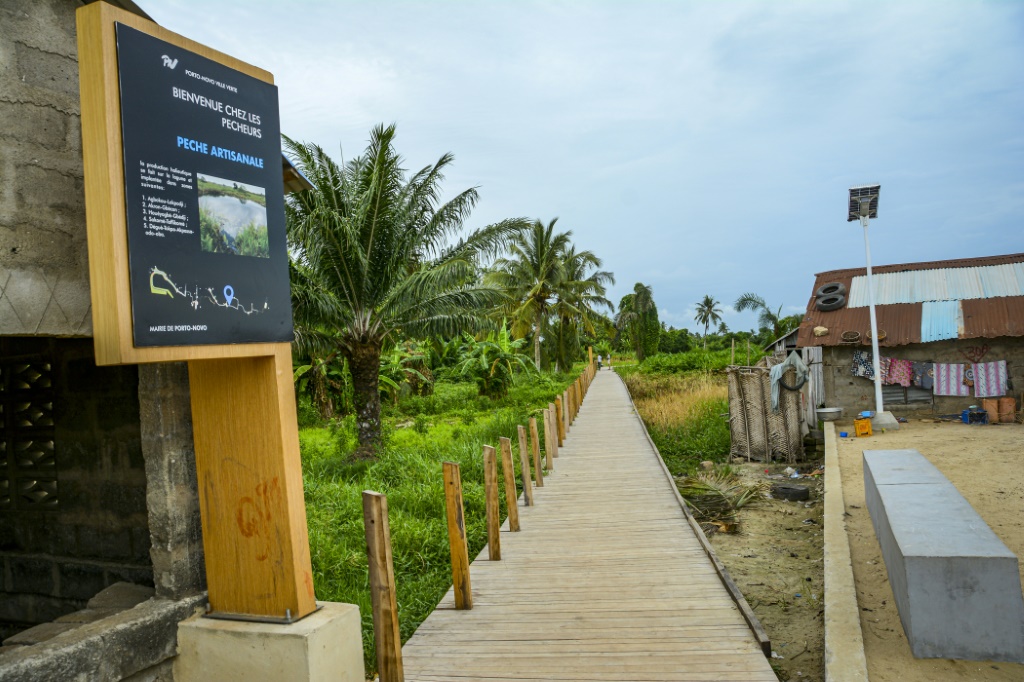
(205, 199)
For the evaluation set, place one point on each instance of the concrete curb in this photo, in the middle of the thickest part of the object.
(844, 643)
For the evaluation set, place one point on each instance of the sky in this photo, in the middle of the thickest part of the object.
(697, 147)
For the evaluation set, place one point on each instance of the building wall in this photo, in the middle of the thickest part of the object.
(856, 393)
(73, 516)
(44, 274)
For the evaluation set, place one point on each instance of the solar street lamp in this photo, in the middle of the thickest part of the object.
(863, 206)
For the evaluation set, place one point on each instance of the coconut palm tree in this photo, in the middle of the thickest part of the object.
(531, 276)
(765, 318)
(707, 315)
(638, 316)
(375, 254)
(578, 300)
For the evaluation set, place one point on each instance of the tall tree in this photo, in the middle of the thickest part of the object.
(374, 253)
(531, 276)
(708, 314)
(577, 300)
(638, 319)
(766, 318)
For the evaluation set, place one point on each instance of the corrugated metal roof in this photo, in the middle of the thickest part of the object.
(986, 316)
(989, 318)
(939, 284)
(941, 320)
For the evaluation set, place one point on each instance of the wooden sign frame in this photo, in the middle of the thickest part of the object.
(248, 464)
(106, 215)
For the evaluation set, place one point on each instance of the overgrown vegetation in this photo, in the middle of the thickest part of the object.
(686, 412)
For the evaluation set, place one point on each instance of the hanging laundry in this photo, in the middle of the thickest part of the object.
(989, 379)
(949, 380)
(863, 367)
(924, 375)
(900, 372)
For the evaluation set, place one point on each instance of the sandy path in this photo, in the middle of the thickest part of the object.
(986, 464)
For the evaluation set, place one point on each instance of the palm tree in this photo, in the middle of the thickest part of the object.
(766, 318)
(576, 304)
(531, 276)
(374, 254)
(707, 315)
(638, 316)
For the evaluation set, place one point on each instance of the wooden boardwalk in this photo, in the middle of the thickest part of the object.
(606, 581)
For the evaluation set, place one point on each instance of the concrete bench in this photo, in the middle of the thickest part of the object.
(956, 585)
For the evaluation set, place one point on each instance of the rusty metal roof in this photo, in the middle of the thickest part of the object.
(963, 298)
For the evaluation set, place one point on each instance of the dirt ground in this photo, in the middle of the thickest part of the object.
(776, 561)
(985, 464)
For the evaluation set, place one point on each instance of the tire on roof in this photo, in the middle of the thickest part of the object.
(831, 289)
(833, 302)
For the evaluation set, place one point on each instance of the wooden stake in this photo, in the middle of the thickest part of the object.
(509, 472)
(555, 445)
(560, 426)
(457, 536)
(748, 352)
(524, 467)
(382, 587)
(538, 473)
(491, 497)
(733, 360)
(549, 440)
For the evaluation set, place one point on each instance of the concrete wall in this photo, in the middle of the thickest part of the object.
(44, 274)
(857, 393)
(88, 526)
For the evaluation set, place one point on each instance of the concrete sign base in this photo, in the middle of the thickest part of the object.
(956, 585)
(325, 645)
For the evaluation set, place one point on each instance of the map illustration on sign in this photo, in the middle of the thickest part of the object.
(204, 194)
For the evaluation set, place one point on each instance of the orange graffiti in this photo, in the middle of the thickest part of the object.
(254, 515)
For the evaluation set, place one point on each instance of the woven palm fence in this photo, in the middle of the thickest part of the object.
(758, 433)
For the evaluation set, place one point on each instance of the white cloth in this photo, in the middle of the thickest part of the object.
(777, 371)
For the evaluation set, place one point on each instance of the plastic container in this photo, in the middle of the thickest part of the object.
(843, 434)
(862, 427)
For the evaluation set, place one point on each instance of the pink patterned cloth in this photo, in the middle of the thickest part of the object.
(949, 380)
(900, 372)
(989, 379)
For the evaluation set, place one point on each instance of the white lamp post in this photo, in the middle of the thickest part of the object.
(864, 206)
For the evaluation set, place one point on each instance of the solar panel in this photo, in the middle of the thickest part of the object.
(869, 192)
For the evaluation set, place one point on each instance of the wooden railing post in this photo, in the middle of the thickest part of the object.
(550, 438)
(491, 499)
(382, 587)
(535, 447)
(509, 472)
(524, 467)
(457, 536)
(559, 425)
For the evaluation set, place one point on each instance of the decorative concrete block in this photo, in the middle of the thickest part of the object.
(956, 585)
(325, 645)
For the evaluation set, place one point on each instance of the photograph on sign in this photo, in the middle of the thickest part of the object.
(207, 252)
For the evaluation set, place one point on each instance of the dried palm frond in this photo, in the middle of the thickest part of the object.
(716, 495)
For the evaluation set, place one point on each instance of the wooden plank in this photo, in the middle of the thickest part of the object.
(455, 512)
(491, 503)
(386, 635)
(509, 473)
(535, 448)
(524, 467)
(249, 473)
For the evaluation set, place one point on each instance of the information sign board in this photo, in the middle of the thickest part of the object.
(204, 197)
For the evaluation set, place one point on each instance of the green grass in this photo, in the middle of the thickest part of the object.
(457, 423)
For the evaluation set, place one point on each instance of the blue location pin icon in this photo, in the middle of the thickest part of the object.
(229, 293)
